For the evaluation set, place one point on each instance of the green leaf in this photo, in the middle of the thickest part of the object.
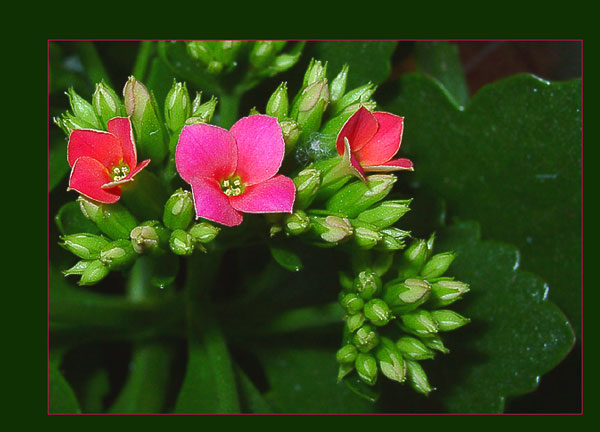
(250, 397)
(368, 60)
(61, 396)
(510, 160)
(515, 335)
(70, 220)
(286, 258)
(440, 60)
(303, 380)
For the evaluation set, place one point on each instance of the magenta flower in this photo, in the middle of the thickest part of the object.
(101, 162)
(234, 172)
(370, 140)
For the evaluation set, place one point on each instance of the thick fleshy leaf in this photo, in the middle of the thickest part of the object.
(275, 195)
(99, 145)
(121, 128)
(358, 130)
(88, 176)
(212, 204)
(205, 150)
(260, 148)
(129, 177)
(511, 160)
(385, 143)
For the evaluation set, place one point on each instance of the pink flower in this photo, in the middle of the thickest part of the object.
(103, 161)
(234, 172)
(370, 140)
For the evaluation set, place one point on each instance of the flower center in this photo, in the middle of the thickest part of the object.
(119, 172)
(232, 186)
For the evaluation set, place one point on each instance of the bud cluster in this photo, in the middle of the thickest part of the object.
(391, 326)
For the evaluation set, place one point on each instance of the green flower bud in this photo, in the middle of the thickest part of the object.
(448, 320)
(414, 258)
(366, 235)
(367, 284)
(229, 50)
(201, 51)
(118, 254)
(354, 322)
(181, 243)
(343, 370)
(68, 123)
(296, 223)
(351, 109)
(366, 367)
(263, 53)
(315, 71)
(77, 269)
(437, 265)
(405, 296)
(435, 342)
(106, 103)
(419, 322)
(140, 105)
(378, 312)
(203, 113)
(338, 85)
(114, 220)
(352, 303)
(331, 229)
(392, 239)
(413, 349)
(148, 237)
(278, 104)
(307, 185)
(418, 377)
(391, 363)
(446, 292)
(386, 213)
(291, 134)
(82, 109)
(356, 197)
(346, 354)
(94, 272)
(346, 281)
(177, 106)
(365, 338)
(356, 96)
(282, 63)
(179, 210)
(309, 99)
(84, 245)
(204, 232)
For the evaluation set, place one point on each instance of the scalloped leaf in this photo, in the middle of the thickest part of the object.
(510, 160)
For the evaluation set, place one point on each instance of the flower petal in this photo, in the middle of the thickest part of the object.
(392, 165)
(88, 176)
(129, 177)
(121, 128)
(385, 143)
(205, 150)
(212, 204)
(260, 148)
(359, 129)
(275, 195)
(99, 145)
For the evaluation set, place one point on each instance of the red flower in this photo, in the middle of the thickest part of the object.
(370, 140)
(103, 161)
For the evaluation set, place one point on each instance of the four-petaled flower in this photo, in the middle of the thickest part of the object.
(103, 161)
(370, 140)
(234, 172)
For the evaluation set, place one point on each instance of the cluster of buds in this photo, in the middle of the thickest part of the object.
(391, 326)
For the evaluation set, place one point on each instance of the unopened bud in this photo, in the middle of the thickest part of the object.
(420, 322)
(204, 232)
(114, 220)
(378, 312)
(307, 184)
(446, 292)
(278, 104)
(118, 254)
(413, 349)
(367, 284)
(68, 123)
(354, 322)
(296, 223)
(366, 367)
(262, 54)
(201, 51)
(84, 245)
(346, 354)
(314, 72)
(179, 210)
(414, 259)
(204, 112)
(178, 106)
(418, 377)
(405, 296)
(391, 363)
(352, 303)
(77, 269)
(331, 229)
(365, 338)
(94, 272)
(338, 85)
(386, 213)
(106, 103)
(181, 243)
(291, 134)
(148, 237)
(343, 370)
(448, 320)
(437, 265)
(356, 197)
(392, 239)
(435, 342)
(82, 109)
(356, 96)
(366, 235)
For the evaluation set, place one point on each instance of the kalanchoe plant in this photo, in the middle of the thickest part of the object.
(316, 172)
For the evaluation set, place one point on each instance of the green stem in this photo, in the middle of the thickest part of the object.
(143, 58)
(92, 62)
(229, 105)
